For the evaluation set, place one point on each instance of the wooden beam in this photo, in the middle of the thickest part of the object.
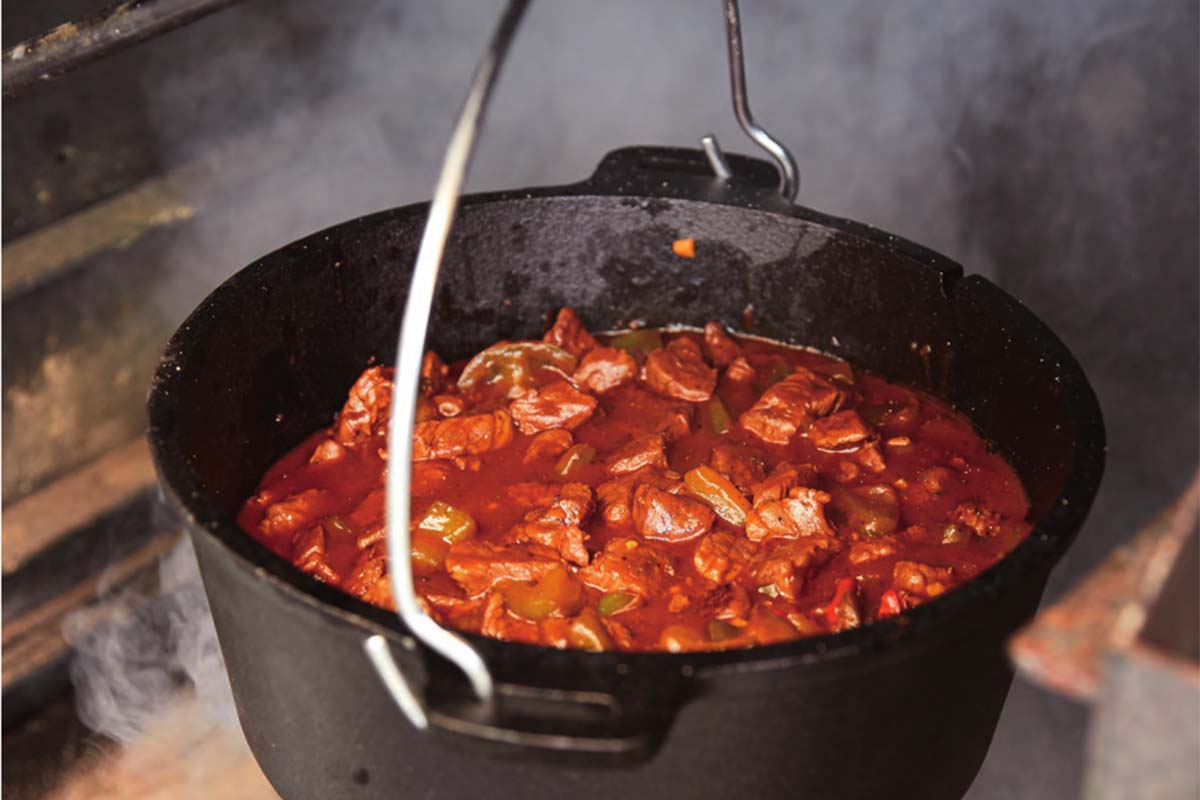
(36, 522)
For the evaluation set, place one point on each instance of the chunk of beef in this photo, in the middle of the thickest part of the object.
(369, 569)
(548, 444)
(605, 368)
(308, 553)
(801, 513)
(630, 566)
(458, 610)
(739, 370)
(844, 430)
(381, 595)
(788, 565)
(672, 518)
(368, 407)
(921, 579)
(616, 496)
(785, 478)
(720, 557)
(327, 450)
(558, 405)
(478, 566)
(459, 436)
(426, 409)
(302, 510)
(371, 535)
(935, 480)
(678, 370)
(674, 423)
(433, 374)
(978, 517)
(686, 346)
(845, 472)
(872, 550)
(558, 526)
(569, 334)
(743, 466)
(729, 602)
(678, 602)
(871, 457)
(789, 405)
(429, 476)
(468, 463)
(529, 495)
(369, 510)
(621, 636)
(644, 451)
(719, 345)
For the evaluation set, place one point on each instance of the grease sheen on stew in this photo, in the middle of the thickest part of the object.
(650, 490)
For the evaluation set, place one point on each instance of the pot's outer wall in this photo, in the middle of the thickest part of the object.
(915, 724)
(909, 703)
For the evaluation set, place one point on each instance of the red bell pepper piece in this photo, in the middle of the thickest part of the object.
(890, 604)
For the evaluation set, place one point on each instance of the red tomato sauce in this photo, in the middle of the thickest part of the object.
(651, 490)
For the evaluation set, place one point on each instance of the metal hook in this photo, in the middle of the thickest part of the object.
(410, 351)
(789, 177)
(716, 157)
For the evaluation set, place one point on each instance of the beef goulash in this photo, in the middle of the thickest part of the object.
(650, 490)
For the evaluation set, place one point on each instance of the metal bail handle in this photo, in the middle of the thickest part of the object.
(411, 347)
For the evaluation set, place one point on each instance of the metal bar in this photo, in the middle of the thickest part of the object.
(74, 44)
(789, 176)
(410, 350)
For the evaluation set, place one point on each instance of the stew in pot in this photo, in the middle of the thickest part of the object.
(650, 490)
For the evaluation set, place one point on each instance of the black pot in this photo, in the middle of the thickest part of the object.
(904, 707)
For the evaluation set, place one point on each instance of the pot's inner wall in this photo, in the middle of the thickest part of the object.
(288, 336)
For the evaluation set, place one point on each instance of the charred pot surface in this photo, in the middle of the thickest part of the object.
(233, 394)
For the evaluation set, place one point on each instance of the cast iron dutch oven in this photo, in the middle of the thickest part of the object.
(904, 707)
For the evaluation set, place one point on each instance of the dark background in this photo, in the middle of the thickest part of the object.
(1051, 146)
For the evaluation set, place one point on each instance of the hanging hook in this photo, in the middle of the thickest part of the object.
(789, 177)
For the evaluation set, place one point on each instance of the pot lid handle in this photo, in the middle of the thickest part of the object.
(409, 352)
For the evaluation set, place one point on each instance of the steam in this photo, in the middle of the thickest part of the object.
(149, 654)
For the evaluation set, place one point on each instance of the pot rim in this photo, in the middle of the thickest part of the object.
(1036, 554)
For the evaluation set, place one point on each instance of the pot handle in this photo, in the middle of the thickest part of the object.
(622, 721)
(708, 175)
(582, 727)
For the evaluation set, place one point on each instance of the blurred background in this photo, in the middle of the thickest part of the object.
(1049, 146)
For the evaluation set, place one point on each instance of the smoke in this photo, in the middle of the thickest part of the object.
(150, 653)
